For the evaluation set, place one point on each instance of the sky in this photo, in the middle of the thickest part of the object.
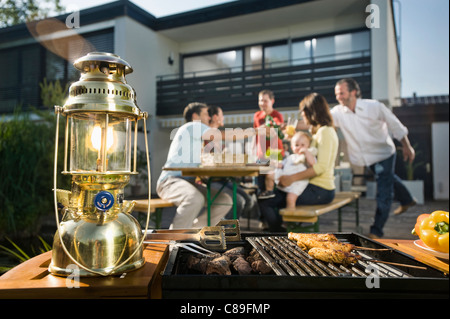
(422, 27)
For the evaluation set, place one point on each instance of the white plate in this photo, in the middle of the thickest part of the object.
(435, 253)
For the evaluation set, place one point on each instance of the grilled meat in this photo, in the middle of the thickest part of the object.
(233, 260)
(219, 266)
(327, 237)
(242, 266)
(257, 263)
(307, 243)
(235, 253)
(260, 267)
(334, 256)
(325, 247)
(197, 264)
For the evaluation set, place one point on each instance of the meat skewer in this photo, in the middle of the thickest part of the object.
(333, 256)
(327, 248)
(395, 264)
(372, 249)
(308, 241)
(346, 258)
(307, 244)
(327, 237)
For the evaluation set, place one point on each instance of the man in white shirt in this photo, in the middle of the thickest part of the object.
(366, 126)
(184, 192)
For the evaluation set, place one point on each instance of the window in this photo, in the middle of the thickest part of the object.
(21, 83)
(276, 56)
(300, 52)
(341, 46)
(213, 64)
(100, 41)
(253, 57)
(291, 67)
(54, 67)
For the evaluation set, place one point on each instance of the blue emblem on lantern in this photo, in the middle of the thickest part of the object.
(104, 200)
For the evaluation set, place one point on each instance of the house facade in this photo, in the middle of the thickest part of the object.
(222, 55)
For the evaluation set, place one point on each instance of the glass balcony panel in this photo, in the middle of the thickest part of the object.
(213, 64)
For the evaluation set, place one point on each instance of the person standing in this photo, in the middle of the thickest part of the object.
(366, 125)
(267, 117)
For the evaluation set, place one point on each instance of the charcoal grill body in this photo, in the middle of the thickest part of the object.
(180, 282)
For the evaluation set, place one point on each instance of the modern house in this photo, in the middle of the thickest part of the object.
(222, 55)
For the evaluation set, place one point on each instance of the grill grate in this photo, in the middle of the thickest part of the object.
(288, 259)
(297, 275)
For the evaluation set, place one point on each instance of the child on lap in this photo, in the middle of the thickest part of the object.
(303, 156)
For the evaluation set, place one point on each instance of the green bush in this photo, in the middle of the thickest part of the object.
(26, 170)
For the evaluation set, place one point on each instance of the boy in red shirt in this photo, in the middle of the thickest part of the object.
(266, 99)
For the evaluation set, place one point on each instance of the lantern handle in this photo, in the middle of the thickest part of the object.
(58, 111)
(144, 117)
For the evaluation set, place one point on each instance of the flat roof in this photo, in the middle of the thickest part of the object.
(191, 22)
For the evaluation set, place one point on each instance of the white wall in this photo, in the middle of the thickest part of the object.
(385, 64)
(440, 149)
(147, 52)
(304, 29)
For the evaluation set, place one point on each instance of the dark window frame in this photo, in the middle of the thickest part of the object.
(16, 90)
(265, 45)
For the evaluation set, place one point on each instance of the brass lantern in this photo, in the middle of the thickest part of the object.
(97, 234)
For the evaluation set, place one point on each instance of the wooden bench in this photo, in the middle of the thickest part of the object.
(156, 208)
(311, 213)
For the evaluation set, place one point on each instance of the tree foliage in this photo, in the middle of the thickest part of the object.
(14, 12)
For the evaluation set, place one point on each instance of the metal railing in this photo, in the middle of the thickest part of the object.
(235, 89)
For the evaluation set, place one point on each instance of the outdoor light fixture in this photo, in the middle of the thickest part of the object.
(97, 234)
(170, 58)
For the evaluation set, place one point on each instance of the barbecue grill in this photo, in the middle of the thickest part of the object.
(297, 275)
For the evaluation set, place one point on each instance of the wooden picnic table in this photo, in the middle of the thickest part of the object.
(232, 173)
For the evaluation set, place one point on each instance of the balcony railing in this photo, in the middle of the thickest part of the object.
(236, 90)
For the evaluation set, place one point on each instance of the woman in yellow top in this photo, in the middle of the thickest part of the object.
(320, 190)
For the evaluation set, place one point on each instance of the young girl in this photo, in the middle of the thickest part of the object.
(303, 157)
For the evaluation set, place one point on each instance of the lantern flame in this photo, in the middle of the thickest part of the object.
(96, 138)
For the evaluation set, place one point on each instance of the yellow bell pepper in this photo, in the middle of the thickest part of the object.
(416, 229)
(434, 231)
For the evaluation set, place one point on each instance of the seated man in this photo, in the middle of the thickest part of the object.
(184, 192)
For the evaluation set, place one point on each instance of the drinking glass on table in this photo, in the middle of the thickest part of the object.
(291, 126)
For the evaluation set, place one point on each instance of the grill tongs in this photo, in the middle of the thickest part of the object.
(211, 237)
